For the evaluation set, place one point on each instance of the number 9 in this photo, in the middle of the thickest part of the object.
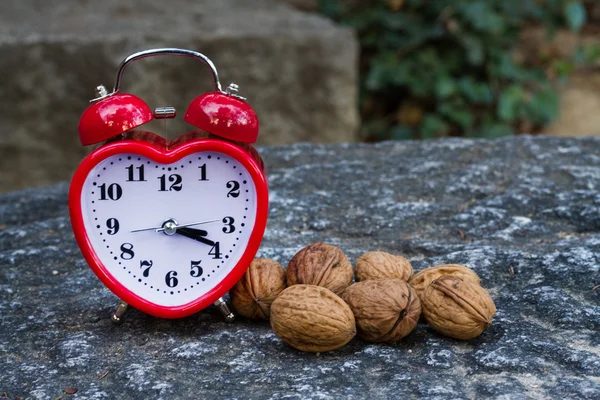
(113, 226)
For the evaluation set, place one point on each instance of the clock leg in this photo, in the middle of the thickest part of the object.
(117, 317)
(224, 308)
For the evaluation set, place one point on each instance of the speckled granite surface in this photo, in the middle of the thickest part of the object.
(522, 212)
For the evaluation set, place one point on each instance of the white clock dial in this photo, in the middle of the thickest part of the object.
(127, 193)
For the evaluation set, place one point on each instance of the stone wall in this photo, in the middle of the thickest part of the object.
(298, 70)
(522, 212)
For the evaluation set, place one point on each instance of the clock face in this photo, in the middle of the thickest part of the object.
(204, 207)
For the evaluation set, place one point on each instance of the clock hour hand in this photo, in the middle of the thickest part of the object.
(195, 234)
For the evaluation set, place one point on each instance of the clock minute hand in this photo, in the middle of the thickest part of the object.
(195, 234)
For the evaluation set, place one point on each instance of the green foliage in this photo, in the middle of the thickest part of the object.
(449, 67)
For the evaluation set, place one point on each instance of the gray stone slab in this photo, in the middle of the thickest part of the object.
(298, 70)
(522, 212)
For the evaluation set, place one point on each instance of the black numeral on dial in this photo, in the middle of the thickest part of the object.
(132, 176)
(113, 191)
(235, 189)
(176, 182)
(202, 172)
(127, 251)
(229, 227)
(215, 251)
(113, 226)
(171, 280)
(196, 269)
(145, 267)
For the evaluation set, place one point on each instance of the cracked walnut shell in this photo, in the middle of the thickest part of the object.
(320, 264)
(458, 308)
(262, 282)
(312, 318)
(423, 278)
(385, 310)
(375, 265)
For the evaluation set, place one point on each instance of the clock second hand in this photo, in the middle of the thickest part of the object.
(162, 227)
(186, 225)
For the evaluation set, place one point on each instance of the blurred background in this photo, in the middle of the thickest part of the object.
(324, 71)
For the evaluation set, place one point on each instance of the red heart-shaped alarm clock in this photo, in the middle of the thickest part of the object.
(169, 226)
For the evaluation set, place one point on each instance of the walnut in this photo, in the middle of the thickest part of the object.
(386, 310)
(423, 278)
(379, 265)
(322, 265)
(312, 318)
(458, 308)
(261, 284)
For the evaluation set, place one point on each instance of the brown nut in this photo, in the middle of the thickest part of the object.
(312, 318)
(423, 278)
(380, 265)
(385, 310)
(322, 265)
(261, 284)
(458, 308)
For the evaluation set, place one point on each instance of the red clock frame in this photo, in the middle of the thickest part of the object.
(162, 151)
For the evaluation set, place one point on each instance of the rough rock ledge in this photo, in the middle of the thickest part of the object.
(523, 212)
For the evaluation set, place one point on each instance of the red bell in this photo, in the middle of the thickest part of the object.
(112, 116)
(224, 116)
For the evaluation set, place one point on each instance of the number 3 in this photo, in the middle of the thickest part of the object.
(229, 228)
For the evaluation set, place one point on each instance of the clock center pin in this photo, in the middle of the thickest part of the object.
(170, 226)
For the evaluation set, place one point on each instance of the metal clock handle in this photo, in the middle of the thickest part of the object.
(164, 52)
